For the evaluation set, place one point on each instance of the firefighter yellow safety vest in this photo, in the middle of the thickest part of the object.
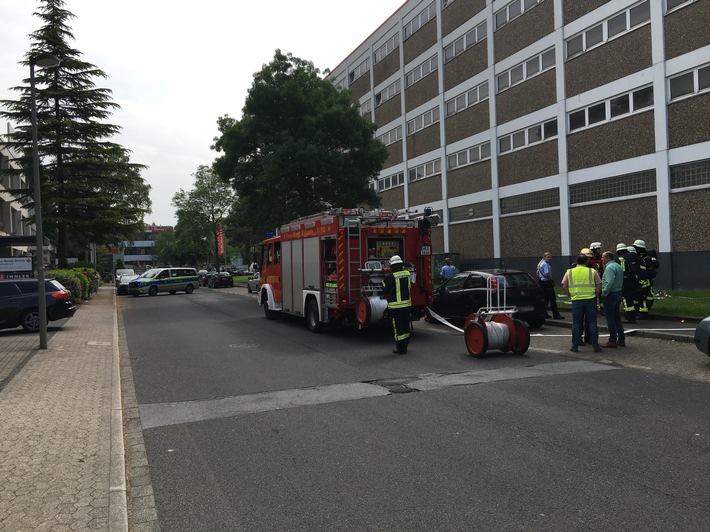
(402, 279)
(580, 283)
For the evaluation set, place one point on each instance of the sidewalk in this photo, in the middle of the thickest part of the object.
(61, 435)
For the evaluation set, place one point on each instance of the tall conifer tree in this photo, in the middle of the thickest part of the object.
(91, 192)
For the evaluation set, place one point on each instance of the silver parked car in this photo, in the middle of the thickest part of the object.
(253, 283)
(702, 336)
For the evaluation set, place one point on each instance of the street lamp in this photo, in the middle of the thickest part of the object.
(42, 60)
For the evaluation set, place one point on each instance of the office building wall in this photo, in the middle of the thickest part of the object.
(536, 125)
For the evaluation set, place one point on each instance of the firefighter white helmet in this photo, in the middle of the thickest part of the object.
(595, 245)
(631, 249)
(395, 259)
(621, 247)
(640, 244)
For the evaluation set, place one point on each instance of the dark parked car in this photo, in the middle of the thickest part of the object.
(220, 279)
(19, 304)
(122, 284)
(702, 336)
(467, 291)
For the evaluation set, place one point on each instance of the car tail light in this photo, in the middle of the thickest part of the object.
(62, 296)
(494, 283)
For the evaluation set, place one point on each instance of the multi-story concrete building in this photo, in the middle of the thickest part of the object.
(535, 125)
(17, 234)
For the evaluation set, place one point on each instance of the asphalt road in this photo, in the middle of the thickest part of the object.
(256, 424)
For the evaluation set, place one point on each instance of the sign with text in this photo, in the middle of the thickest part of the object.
(15, 264)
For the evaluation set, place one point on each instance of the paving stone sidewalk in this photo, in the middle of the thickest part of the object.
(61, 439)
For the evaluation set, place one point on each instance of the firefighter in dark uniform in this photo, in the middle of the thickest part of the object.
(596, 263)
(397, 289)
(628, 288)
(648, 266)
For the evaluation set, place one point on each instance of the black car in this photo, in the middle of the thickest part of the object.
(467, 291)
(220, 279)
(19, 304)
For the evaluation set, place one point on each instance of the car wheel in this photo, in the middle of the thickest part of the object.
(536, 323)
(249, 289)
(313, 316)
(153, 291)
(30, 320)
(189, 289)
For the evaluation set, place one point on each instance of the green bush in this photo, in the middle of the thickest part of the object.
(74, 281)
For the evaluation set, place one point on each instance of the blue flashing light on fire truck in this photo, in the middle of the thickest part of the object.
(329, 267)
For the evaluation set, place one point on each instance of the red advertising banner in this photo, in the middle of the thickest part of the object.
(220, 240)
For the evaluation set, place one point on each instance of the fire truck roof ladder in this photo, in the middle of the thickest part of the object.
(354, 236)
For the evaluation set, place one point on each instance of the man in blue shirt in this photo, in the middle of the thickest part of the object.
(448, 270)
(544, 277)
(612, 282)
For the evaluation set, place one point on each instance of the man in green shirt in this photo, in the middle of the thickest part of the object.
(612, 282)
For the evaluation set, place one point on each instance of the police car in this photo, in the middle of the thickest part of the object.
(169, 280)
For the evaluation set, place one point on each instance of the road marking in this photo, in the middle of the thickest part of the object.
(165, 414)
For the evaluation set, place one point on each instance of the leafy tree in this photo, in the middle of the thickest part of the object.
(202, 210)
(91, 192)
(301, 146)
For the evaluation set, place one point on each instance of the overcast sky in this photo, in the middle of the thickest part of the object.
(175, 66)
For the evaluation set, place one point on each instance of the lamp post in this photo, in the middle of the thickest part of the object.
(44, 61)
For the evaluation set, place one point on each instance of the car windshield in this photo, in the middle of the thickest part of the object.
(151, 273)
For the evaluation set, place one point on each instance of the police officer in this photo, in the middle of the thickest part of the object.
(397, 289)
(628, 288)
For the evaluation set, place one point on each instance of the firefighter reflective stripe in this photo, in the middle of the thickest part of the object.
(403, 283)
(580, 283)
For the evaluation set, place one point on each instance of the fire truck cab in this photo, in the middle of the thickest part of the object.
(329, 267)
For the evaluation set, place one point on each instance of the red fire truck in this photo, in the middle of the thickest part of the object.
(329, 267)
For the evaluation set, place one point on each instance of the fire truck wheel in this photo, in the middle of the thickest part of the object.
(313, 316)
(270, 314)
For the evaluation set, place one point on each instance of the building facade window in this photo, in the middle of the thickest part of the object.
(532, 201)
(692, 174)
(467, 99)
(601, 32)
(528, 136)
(390, 181)
(527, 69)
(469, 156)
(392, 136)
(420, 71)
(387, 48)
(616, 107)
(473, 211)
(462, 44)
(423, 120)
(513, 11)
(359, 70)
(425, 170)
(672, 4)
(688, 83)
(417, 22)
(445, 3)
(366, 108)
(389, 92)
(613, 187)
